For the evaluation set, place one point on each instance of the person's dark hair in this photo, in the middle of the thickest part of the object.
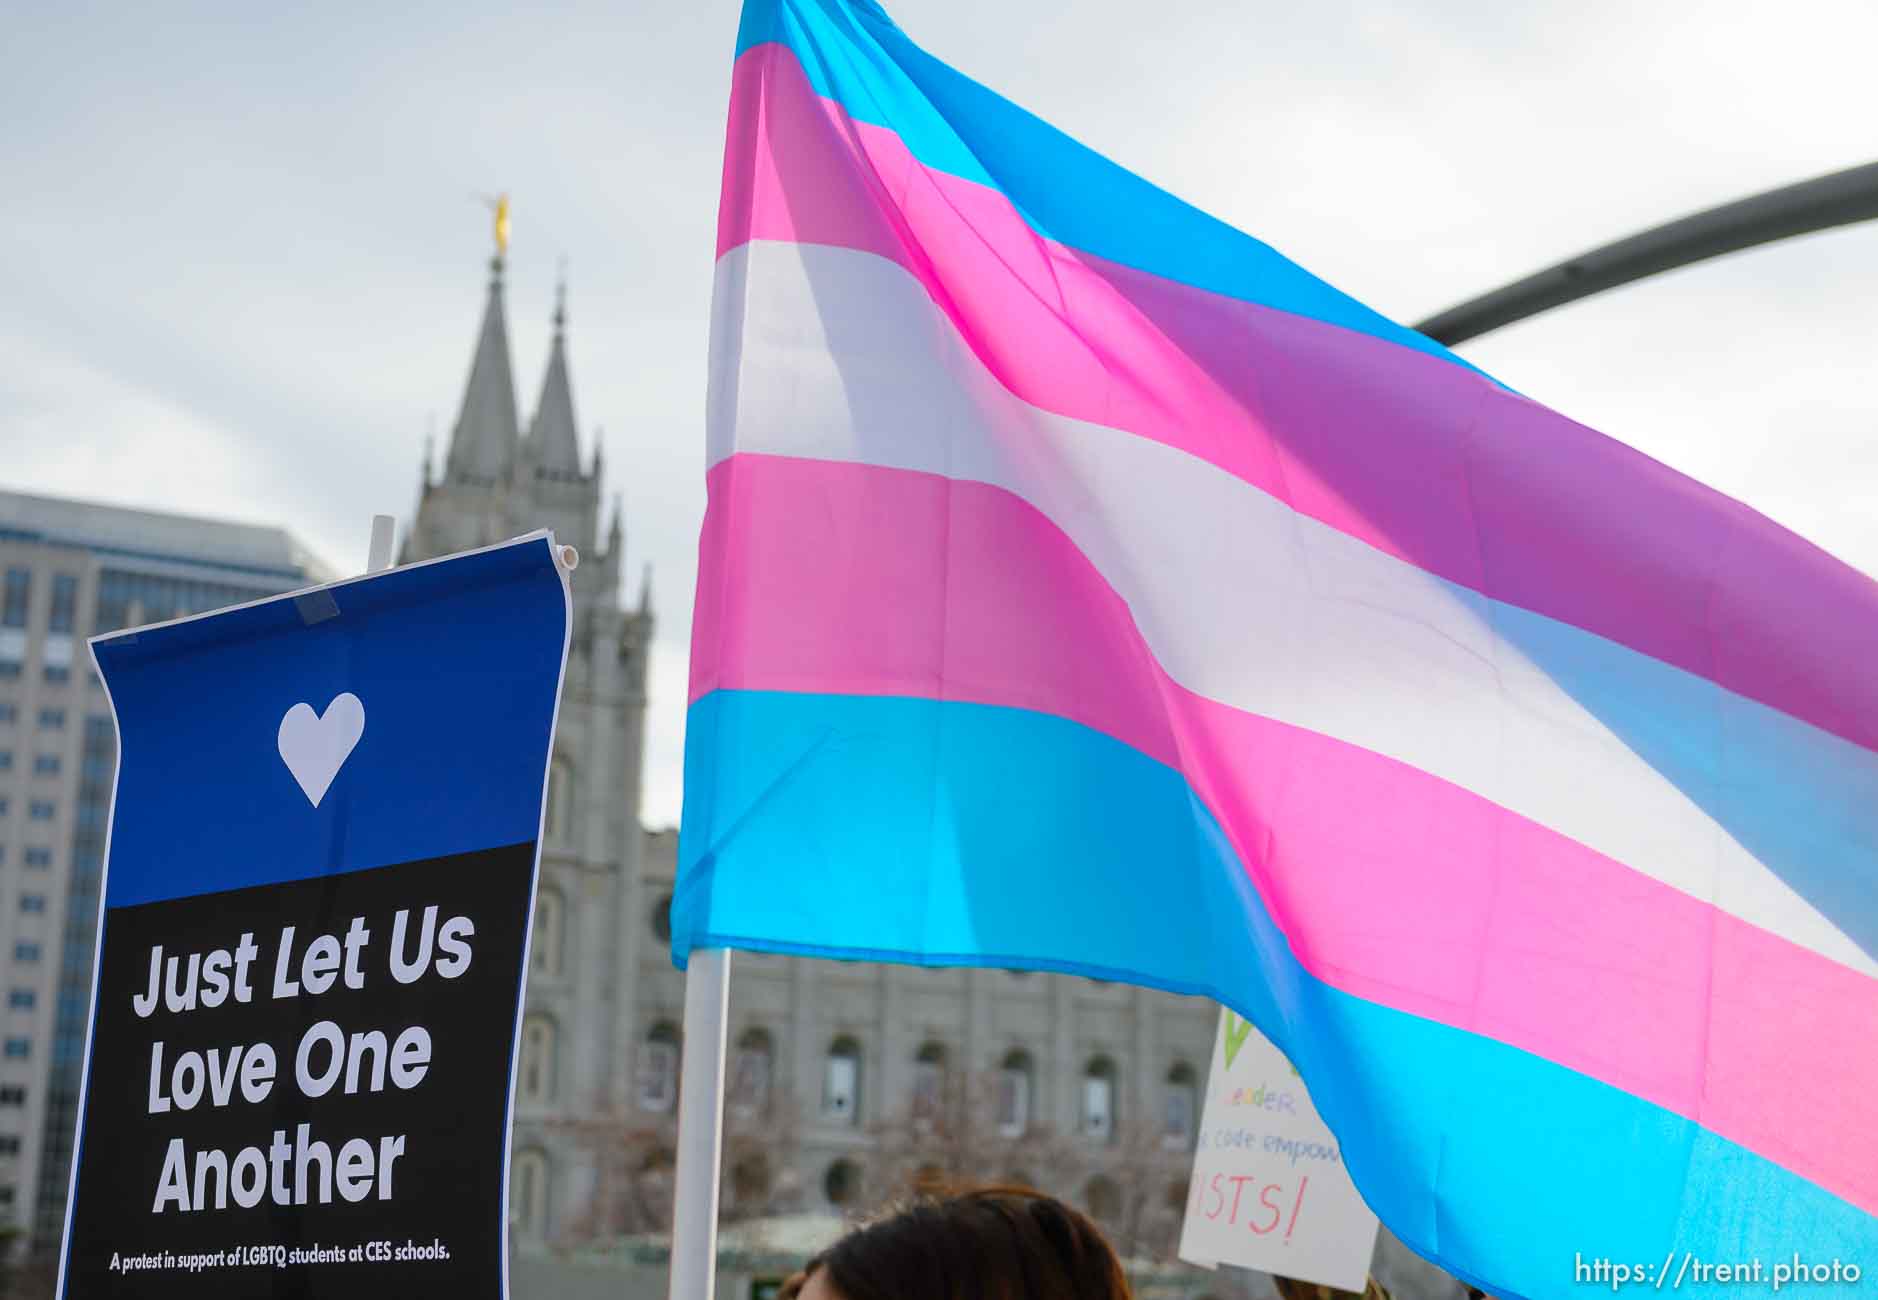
(992, 1243)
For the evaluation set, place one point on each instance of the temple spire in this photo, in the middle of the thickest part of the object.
(556, 442)
(482, 446)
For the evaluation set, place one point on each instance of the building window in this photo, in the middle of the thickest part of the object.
(32, 902)
(27, 952)
(9, 713)
(929, 1084)
(1014, 1085)
(1098, 1100)
(528, 1195)
(750, 1072)
(126, 598)
(19, 1049)
(6, 760)
(560, 798)
(657, 1174)
(658, 1068)
(749, 1183)
(12, 1094)
(9, 1144)
(662, 919)
(41, 810)
(19, 589)
(1103, 1198)
(56, 651)
(841, 1082)
(4, 806)
(46, 765)
(22, 999)
(64, 604)
(19, 586)
(52, 719)
(1182, 1102)
(537, 1072)
(842, 1183)
(549, 920)
(38, 856)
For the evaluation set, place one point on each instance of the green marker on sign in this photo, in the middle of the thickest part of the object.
(1236, 1027)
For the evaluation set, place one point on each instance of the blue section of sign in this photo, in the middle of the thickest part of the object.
(456, 668)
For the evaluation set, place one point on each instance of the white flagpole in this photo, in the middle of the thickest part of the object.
(700, 1126)
(379, 555)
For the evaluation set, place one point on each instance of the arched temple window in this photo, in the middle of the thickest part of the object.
(528, 1195)
(1015, 1078)
(929, 1083)
(842, 1183)
(550, 923)
(750, 1072)
(1098, 1100)
(841, 1081)
(1103, 1199)
(1181, 1106)
(536, 1083)
(658, 1067)
(560, 818)
(750, 1183)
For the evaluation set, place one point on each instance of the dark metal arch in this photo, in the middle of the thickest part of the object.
(1838, 199)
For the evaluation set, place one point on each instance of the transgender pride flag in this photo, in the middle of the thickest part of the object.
(1085, 587)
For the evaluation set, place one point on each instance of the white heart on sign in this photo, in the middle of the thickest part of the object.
(314, 746)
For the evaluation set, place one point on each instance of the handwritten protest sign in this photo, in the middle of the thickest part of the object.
(1269, 1188)
(312, 942)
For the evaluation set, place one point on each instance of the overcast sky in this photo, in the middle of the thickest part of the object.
(241, 260)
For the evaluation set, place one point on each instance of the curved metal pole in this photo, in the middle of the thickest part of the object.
(1826, 201)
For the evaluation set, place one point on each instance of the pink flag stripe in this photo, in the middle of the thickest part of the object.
(818, 576)
(841, 355)
(1423, 460)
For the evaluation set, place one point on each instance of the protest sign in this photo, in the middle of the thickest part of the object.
(1269, 1188)
(313, 937)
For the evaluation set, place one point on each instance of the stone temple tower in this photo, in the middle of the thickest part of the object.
(496, 482)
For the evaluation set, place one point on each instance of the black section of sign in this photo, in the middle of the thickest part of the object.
(443, 1193)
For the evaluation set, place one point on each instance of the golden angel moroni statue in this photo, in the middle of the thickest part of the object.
(501, 208)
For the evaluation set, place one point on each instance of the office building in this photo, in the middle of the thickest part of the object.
(70, 570)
